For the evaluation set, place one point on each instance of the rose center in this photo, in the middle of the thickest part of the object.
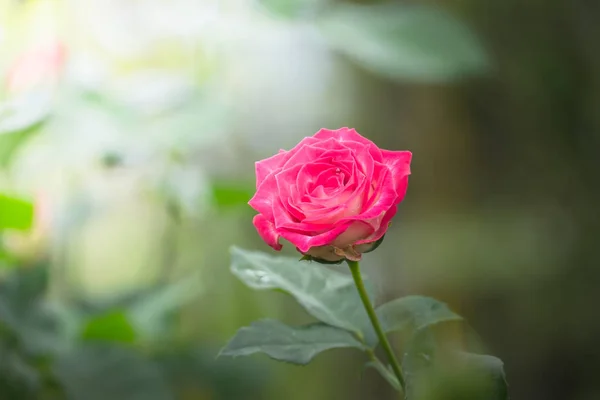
(329, 183)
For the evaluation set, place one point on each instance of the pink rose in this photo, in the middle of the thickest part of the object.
(332, 196)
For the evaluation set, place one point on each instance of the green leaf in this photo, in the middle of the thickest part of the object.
(417, 363)
(285, 343)
(113, 326)
(194, 368)
(292, 8)
(488, 371)
(385, 372)
(101, 372)
(414, 312)
(227, 195)
(26, 316)
(327, 295)
(433, 372)
(18, 378)
(15, 213)
(400, 42)
(20, 294)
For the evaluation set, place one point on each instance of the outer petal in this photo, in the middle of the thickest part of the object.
(401, 188)
(343, 135)
(326, 253)
(399, 164)
(304, 242)
(383, 227)
(342, 235)
(265, 197)
(358, 230)
(273, 163)
(382, 201)
(267, 231)
(283, 221)
(268, 166)
(351, 139)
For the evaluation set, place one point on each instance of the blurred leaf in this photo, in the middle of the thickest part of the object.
(6, 259)
(18, 378)
(149, 311)
(284, 343)
(34, 325)
(416, 43)
(327, 295)
(101, 372)
(489, 371)
(20, 292)
(417, 362)
(113, 326)
(18, 119)
(292, 8)
(434, 373)
(386, 372)
(26, 285)
(40, 332)
(414, 312)
(196, 368)
(15, 213)
(232, 194)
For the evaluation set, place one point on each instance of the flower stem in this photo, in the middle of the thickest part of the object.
(358, 281)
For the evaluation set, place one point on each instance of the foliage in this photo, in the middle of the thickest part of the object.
(297, 345)
(330, 296)
(92, 349)
(397, 41)
(15, 213)
(412, 43)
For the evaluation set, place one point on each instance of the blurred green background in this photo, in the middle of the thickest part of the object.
(133, 127)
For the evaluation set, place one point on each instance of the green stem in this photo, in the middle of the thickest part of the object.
(358, 281)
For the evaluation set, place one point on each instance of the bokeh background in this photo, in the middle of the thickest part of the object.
(133, 127)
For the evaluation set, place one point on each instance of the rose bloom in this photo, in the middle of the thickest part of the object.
(332, 196)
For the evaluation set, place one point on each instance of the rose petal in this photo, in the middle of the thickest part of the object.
(350, 139)
(294, 211)
(356, 231)
(272, 164)
(342, 135)
(383, 199)
(284, 220)
(304, 243)
(383, 227)
(398, 163)
(364, 162)
(326, 253)
(345, 205)
(268, 166)
(306, 153)
(265, 197)
(288, 192)
(267, 231)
